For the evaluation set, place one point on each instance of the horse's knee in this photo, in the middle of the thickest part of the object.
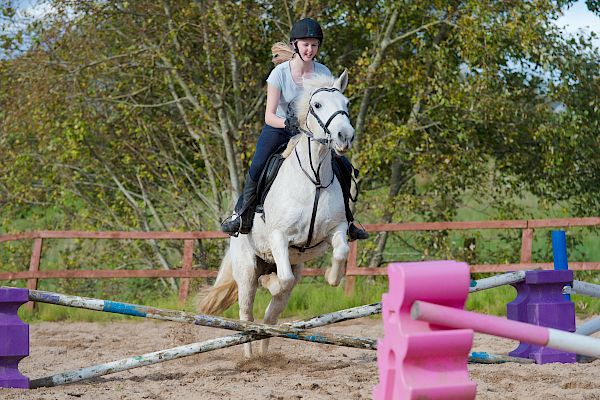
(340, 253)
(287, 283)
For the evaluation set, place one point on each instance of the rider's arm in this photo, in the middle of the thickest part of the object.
(273, 94)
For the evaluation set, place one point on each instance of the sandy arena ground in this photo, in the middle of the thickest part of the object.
(294, 370)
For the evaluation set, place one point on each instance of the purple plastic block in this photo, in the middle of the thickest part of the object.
(540, 302)
(14, 334)
(517, 311)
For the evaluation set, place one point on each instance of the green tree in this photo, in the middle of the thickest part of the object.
(144, 115)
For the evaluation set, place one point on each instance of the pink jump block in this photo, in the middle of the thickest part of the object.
(416, 359)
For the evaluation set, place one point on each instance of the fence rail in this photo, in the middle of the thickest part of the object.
(187, 272)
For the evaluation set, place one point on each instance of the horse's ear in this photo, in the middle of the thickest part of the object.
(342, 81)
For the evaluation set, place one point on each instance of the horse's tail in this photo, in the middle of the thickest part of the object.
(223, 293)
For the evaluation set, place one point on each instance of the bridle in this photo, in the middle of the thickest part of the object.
(317, 178)
(324, 126)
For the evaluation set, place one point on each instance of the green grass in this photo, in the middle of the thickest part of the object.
(493, 302)
(311, 297)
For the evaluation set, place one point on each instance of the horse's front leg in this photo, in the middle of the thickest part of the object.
(285, 279)
(277, 305)
(334, 275)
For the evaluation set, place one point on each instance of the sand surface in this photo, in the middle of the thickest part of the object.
(293, 370)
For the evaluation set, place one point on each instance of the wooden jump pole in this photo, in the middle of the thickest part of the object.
(263, 330)
(196, 348)
(459, 319)
(139, 361)
(116, 307)
(201, 347)
(221, 343)
(496, 280)
(585, 288)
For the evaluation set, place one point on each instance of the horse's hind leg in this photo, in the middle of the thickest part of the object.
(247, 282)
(277, 304)
(341, 249)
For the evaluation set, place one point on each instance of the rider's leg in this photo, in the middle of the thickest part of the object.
(241, 221)
(346, 169)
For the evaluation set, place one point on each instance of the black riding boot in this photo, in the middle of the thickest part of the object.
(243, 217)
(344, 174)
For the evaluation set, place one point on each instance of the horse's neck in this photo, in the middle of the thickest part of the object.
(318, 154)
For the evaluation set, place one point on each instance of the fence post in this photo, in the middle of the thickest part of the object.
(34, 266)
(188, 257)
(526, 245)
(351, 266)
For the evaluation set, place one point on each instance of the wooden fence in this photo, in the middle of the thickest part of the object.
(186, 272)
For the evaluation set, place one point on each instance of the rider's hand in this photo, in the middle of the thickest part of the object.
(292, 125)
(291, 120)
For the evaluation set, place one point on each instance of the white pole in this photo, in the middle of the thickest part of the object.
(495, 281)
(139, 361)
(589, 328)
(460, 319)
(584, 288)
(196, 348)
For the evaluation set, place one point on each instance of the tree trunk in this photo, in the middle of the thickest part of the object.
(398, 179)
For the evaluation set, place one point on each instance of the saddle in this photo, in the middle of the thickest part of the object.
(267, 177)
(269, 173)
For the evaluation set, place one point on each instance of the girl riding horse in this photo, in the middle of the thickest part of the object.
(294, 63)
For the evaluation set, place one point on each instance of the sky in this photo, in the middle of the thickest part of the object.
(577, 18)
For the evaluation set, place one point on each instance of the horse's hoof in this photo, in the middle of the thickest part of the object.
(271, 283)
(265, 280)
(331, 280)
(248, 350)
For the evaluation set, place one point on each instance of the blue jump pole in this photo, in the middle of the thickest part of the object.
(559, 248)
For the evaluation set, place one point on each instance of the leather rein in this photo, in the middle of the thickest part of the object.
(317, 178)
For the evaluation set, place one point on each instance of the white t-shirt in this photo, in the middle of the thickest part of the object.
(281, 78)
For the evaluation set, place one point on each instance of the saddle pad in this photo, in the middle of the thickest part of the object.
(272, 167)
(266, 179)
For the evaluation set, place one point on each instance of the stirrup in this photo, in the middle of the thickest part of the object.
(231, 219)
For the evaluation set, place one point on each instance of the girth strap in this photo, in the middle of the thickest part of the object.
(313, 217)
(311, 229)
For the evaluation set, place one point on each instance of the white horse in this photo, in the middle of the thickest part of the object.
(281, 235)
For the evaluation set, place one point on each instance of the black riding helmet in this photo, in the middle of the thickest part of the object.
(305, 28)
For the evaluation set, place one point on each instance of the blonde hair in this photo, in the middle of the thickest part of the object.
(282, 52)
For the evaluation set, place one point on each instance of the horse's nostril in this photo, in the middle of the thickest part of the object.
(340, 136)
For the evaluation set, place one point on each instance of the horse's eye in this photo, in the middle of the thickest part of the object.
(317, 105)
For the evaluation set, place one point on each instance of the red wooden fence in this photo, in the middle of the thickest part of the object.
(186, 272)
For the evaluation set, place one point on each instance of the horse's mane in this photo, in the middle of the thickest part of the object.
(309, 86)
(291, 144)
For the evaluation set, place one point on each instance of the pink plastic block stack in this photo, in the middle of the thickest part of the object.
(417, 360)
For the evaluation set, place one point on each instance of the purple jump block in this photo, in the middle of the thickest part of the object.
(14, 338)
(540, 302)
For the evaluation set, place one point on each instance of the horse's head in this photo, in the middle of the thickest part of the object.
(323, 112)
